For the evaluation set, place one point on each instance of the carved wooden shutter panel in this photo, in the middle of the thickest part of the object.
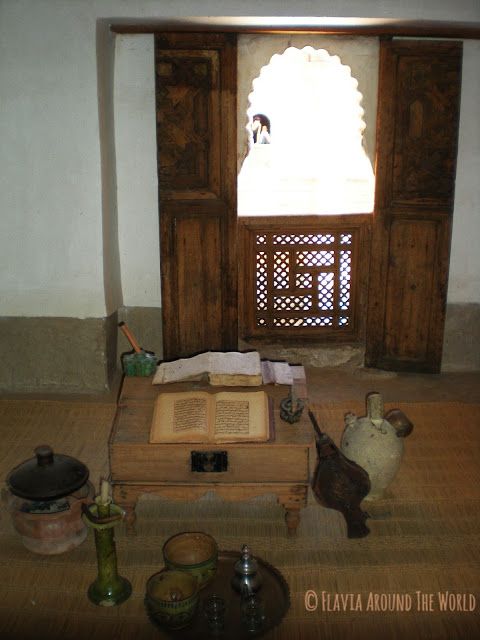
(419, 102)
(196, 146)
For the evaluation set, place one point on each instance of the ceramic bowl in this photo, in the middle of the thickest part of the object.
(172, 598)
(194, 552)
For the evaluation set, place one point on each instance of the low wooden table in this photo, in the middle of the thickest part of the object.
(281, 467)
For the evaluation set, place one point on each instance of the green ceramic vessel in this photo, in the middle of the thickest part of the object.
(172, 598)
(194, 552)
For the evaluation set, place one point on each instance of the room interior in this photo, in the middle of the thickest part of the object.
(81, 253)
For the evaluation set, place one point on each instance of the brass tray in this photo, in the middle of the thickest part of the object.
(274, 593)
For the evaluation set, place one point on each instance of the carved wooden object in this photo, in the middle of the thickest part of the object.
(303, 277)
(196, 147)
(419, 102)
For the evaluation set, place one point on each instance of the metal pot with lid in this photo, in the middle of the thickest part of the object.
(45, 495)
(47, 476)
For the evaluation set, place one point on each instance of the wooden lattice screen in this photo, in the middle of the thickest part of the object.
(303, 281)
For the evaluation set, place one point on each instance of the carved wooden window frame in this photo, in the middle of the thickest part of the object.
(278, 235)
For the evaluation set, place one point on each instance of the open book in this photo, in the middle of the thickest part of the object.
(231, 368)
(199, 416)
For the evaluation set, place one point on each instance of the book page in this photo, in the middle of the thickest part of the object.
(241, 416)
(190, 414)
(181, 417)
(232, 417)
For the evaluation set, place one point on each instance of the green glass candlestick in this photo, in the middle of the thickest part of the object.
(109, 589)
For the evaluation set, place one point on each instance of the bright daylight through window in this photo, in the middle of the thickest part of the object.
(305, 128)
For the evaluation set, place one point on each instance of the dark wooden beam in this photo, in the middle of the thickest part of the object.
(408, 28)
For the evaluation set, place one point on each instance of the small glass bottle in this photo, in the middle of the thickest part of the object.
(214, 609)
(252, 611)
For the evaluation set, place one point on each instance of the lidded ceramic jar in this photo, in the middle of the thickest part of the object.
(44, 498)
(375, 444)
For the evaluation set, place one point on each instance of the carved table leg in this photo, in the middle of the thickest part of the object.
(292, 519)
(292, 501)
(130, 518)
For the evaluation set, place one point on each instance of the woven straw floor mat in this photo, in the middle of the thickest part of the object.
(424, 536)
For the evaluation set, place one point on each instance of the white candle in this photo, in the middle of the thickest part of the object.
(104, 492)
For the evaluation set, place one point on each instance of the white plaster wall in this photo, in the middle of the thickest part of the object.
(50, 222)
(56, 220)
(136, 160)
(464, 278)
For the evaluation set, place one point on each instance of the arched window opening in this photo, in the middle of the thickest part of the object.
(305, 131)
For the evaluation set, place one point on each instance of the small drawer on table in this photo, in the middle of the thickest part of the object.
(264, 462)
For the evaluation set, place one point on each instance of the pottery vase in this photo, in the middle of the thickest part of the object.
(374, 444)
(52, 531)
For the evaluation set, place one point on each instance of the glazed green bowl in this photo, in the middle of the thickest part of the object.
(171, 598)
(194, 552)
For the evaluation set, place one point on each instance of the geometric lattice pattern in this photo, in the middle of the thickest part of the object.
(304, 280)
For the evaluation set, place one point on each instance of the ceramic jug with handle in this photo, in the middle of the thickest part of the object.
(376, 443)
